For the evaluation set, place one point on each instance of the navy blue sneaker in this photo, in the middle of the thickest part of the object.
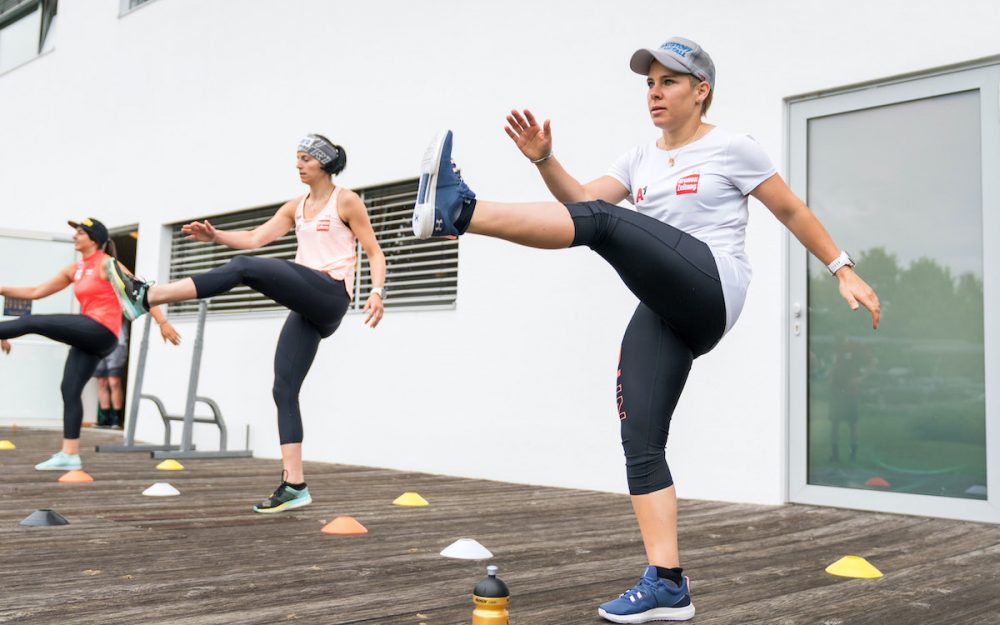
(651, 599)
(444, 203)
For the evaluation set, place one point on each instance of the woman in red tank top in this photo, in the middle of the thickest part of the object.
(91, 335)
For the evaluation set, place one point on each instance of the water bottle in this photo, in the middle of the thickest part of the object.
(490, 598)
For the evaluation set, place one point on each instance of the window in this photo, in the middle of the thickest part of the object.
(419, 274)
(25, 26)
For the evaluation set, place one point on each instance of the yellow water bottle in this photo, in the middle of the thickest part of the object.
(490, 598)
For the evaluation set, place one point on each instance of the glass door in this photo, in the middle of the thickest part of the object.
(903, 419)
(30, 376)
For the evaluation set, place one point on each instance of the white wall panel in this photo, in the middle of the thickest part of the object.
(185, 108)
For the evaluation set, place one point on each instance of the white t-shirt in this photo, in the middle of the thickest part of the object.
(705, 195)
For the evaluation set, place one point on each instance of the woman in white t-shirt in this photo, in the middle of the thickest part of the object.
(680, 252)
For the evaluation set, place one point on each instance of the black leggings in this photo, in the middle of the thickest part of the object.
(318, 304)
(681, 315)
(89, 342)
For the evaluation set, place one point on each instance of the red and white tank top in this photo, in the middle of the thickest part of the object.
(97, 298)
(326, 243)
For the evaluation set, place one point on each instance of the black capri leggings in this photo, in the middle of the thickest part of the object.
(681, 315)
(318, 304)
(89, 342)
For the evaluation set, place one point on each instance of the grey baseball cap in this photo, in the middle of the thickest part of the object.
(678, 54)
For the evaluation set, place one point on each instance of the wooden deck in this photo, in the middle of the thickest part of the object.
(203, 558)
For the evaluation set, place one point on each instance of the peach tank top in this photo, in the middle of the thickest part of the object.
(325, 243)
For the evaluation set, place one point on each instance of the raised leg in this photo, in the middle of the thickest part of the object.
(543, 225)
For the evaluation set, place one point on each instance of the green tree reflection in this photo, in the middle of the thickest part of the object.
(904, 405)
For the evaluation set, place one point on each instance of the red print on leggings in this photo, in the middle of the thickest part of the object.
(688, 184)
(621, 397)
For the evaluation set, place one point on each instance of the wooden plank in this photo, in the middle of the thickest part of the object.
(203, 558)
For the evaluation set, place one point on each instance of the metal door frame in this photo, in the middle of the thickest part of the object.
(983, 75)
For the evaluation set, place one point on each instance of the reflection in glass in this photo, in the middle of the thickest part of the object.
(901, 409)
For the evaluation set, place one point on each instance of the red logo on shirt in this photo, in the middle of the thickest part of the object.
(640, 194)
(323, 226)
(688, 184)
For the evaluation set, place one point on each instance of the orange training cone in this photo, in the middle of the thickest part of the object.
(76, 477)
(877, 482)
(344, 525)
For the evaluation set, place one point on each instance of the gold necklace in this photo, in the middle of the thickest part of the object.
(672, 158)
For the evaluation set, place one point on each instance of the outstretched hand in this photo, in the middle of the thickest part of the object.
(5, 346)
(534, 141)
(856, 291)
(375, 310)
(199, 231)
(169, 333)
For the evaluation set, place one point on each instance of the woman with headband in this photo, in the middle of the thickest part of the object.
(317, 288)
(680, 252)
(91, 335)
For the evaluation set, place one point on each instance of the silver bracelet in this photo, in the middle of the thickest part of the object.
(544, 158)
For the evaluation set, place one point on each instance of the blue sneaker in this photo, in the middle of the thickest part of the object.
(60, 462)
(651, 599)
(130, 290)
(444, 203)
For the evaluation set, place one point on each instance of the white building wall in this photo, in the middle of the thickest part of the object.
(185, 108)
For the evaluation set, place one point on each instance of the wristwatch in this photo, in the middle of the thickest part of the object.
(380, 291)
(843, 260)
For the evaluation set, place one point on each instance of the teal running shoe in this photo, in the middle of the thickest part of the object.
(284, 498)
(130, 290)
(60, 462)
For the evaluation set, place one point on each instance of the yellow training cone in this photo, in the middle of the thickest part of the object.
(853, 566)
(170, 465)
(7, 445)
(410, 499)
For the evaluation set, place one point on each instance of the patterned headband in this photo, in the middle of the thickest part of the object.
(321, 150)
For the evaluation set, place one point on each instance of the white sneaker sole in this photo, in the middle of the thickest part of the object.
(423, 210)
(78, 467)
(656, 614)
(284, 507)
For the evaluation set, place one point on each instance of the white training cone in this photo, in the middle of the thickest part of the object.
(466, 549)
(161, 489)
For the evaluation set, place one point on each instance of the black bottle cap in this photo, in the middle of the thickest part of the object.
(490, 586)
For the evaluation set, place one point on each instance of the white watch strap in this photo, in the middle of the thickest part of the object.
(380, 291)
(840, 261)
